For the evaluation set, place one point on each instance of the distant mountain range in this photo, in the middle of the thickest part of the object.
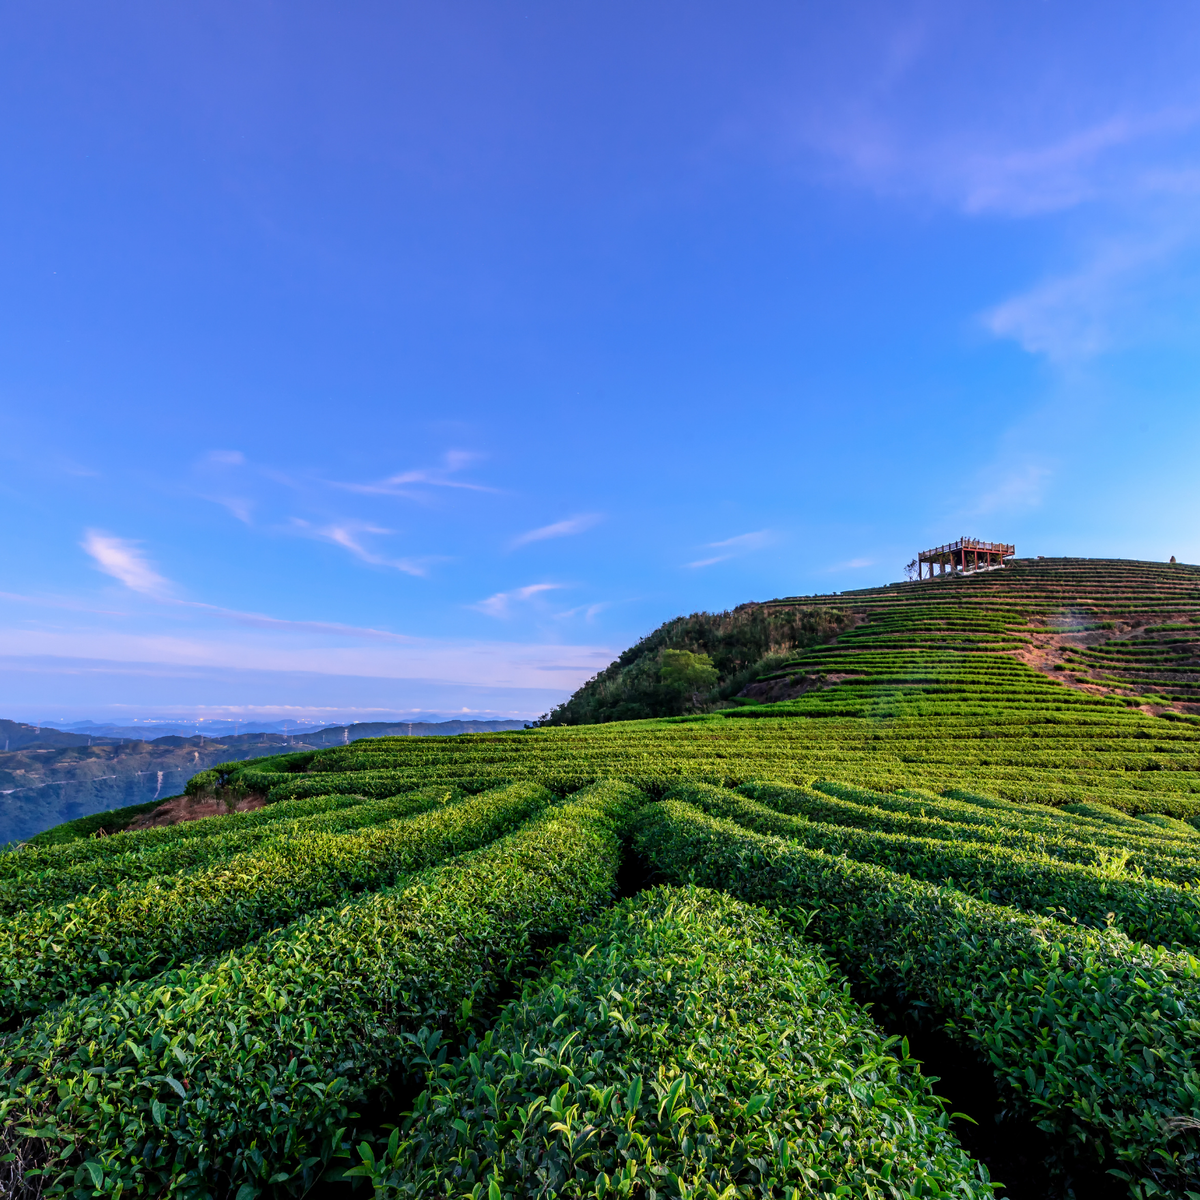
(151, 728)
(212, 729)
(48, 776)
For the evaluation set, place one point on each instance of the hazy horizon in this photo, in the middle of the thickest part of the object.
(270, 720)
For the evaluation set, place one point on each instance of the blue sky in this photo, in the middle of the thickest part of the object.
(401, 358)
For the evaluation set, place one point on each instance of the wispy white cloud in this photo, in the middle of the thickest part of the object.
(500, 605)
(349, 535)
(589, 611)
(262, 621)
(123, 560)
(853, 564)
(63, 602)
(468, 663)
(986, 160)
(1067, 170)
(732, 547)
(218, 475)
(71, 467)
(1127, 166)
(1079, 314)
(571, 525)
(1013, 488)
(745, 541)
(403, 482)
(238, 506)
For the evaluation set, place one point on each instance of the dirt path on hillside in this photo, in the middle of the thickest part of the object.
(1048, 649)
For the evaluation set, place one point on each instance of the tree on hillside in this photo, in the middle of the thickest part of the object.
(686, 672)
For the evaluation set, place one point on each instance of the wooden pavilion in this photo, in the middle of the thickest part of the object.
(963, 557)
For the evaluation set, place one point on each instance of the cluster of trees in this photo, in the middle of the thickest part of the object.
(695, 663)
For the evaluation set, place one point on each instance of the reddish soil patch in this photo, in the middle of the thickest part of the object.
(1049, 646)
(192, 808)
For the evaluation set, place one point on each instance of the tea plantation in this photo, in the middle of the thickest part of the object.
(764, 950)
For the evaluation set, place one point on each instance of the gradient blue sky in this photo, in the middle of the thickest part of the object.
(392, 358)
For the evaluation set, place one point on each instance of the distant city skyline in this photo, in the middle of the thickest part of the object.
(424, 357)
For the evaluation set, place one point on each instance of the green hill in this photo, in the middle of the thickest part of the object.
(740, 645)
(616, 956)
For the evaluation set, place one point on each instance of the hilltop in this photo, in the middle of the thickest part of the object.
(1111, 627)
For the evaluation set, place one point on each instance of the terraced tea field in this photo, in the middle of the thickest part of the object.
(719, 955)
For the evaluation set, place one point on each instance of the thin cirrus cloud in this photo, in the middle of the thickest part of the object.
(1030, 181)
(237, 506)
(214, 469)
(472, 663)
(1083, 313)
(349, 536)
(571, 525)
(123, 560)
(1124, 165)
(404, 482)
(978, 159)
(589, 611)
(1109, 158)
(732, 547)
(1017, 488)
(1115, 158)
(894, 120)
(500, 605)
(263, 621)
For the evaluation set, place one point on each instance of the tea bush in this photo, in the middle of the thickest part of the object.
(690, 1044)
